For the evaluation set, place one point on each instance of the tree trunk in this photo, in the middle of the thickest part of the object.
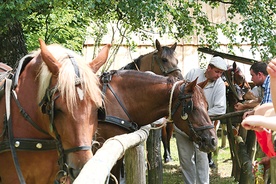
(12, 44)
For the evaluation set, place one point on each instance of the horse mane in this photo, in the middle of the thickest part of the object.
(66, 78)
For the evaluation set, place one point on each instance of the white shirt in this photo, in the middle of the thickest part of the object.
(215, 92)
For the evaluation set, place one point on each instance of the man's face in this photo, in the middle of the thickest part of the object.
(213, 73)
(257, 79)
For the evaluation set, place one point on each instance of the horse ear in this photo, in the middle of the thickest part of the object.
(203, 84)
(191, 85)
(173, 47)
(158, 45)
(234, 65)
(49, 59)
(96, 63)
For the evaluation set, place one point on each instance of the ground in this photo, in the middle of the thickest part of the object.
(220, 175)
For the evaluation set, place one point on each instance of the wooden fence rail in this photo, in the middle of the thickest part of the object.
(98, 168)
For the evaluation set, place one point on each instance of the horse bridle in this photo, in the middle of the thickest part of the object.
(47, 106)
(165, 72)
(159, 62)
(187, 108)
(230, 80)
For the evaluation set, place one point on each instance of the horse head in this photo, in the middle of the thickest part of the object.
(162, 61)
(69, 94)
(192, 117)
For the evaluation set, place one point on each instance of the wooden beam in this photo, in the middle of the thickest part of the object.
(228, 56)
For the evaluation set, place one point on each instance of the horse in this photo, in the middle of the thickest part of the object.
(50, 113)
(162, 61)
(134, 99)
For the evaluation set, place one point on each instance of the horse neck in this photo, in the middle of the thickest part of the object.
(146, 63)
(139, 98)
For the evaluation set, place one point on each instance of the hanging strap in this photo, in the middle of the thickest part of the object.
(11, 138)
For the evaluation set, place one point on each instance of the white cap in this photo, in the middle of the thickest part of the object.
(218, 62)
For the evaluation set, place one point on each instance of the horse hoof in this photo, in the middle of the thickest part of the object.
(168, 160)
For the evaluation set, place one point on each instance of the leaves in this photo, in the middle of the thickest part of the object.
(66, 22)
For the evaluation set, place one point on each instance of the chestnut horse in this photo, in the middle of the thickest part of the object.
(134, 99)
(162, 61)
(50, 113)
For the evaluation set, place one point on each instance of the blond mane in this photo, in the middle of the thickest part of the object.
(66, 78)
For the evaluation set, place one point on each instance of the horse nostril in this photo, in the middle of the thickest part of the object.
(213, 142)
(74, 172)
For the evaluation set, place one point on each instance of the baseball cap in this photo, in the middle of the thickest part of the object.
(218, 62)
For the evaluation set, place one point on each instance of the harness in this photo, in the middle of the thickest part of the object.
(184, 101)
(10, 143)
(130, 126)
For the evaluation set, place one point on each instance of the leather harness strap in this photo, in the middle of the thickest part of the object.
(10, 133)
(28, 144)
(128, 125)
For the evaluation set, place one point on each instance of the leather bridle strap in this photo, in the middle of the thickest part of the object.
(164, 71)
(25, 114)
(10, 133)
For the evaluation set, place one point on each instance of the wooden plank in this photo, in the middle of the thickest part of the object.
(97, 169)
(228, 56)
(228, 115)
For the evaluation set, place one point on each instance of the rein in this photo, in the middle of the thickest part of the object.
(187, 107)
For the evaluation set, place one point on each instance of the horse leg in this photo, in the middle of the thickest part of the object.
(211, 162)
(169, 130)
(165, 144)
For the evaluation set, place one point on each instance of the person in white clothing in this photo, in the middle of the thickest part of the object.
(194, 163)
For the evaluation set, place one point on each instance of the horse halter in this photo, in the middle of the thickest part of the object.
(47, 107)
(187, 108)
(159, 61)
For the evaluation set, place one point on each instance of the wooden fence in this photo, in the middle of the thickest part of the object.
(97, 169)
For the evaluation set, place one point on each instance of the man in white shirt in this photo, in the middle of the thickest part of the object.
(194, 163)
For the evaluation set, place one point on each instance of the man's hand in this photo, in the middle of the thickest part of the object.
(239, 106)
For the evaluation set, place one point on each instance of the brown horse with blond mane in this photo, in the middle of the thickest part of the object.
(50, 112)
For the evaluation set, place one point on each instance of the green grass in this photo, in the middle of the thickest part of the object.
(220, 175)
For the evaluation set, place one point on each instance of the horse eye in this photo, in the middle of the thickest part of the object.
(164, 60)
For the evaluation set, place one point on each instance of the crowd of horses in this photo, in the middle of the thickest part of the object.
(55, 108)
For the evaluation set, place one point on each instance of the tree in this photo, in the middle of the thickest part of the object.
(66, 22)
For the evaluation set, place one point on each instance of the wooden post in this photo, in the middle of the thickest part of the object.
(155, 167)
(246, 175)
(223, 136)
(135, 165)
(273, 170)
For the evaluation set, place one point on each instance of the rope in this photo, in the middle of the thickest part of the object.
(169, 119)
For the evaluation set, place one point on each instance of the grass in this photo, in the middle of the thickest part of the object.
(219, 175)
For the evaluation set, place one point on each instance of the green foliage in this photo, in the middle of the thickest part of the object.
(66, 22)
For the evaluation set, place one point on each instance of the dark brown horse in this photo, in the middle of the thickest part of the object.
(162, 61)
(134, 99)
(50, 113)
(237, 86)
